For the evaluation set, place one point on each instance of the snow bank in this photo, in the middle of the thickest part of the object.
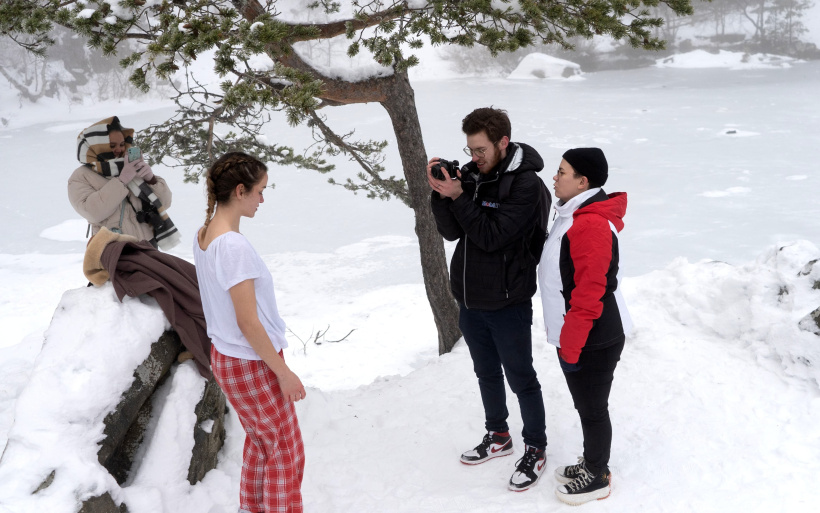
(91, 349)
(67, 231)
(539, 65)
(755, 308)
(717, 385)
(725, 59)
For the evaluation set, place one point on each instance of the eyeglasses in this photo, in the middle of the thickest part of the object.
(478, 153)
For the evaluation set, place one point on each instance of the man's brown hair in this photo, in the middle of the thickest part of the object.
(494, 122)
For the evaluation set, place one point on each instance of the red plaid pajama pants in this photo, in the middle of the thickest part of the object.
(273, 459)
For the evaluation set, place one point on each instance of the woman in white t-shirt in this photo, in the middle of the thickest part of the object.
(248, 337)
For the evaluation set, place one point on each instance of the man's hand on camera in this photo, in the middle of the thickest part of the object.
(447, 188)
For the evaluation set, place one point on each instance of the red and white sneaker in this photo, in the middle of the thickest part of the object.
(492, 446)
(528, 469)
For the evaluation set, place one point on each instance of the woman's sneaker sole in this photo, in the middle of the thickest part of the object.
(577, 499)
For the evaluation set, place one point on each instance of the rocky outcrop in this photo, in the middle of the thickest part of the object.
(103, 504)
(810, 270)
(209, 431)
(125, 426)
(811, 322)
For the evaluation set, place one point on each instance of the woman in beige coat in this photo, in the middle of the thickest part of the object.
(98, 190)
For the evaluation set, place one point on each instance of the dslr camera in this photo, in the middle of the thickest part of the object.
(152, 216)
(450, 167)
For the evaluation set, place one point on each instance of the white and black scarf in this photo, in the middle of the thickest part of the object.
(94, 151)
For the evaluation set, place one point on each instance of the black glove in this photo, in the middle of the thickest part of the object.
(568, 367)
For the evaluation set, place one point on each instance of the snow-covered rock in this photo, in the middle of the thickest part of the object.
(539, 66)
(77, 407)
(725, 59)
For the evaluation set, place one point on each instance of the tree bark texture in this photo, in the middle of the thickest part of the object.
(396, 95)
(400, 104)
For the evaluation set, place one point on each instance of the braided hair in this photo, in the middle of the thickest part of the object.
(229, 170)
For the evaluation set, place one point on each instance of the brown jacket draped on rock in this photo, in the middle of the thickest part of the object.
(136, 268)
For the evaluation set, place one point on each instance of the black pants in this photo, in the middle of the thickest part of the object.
(590, 388)
(503, 338)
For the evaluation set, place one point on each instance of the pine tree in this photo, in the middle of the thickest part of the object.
(172, 33)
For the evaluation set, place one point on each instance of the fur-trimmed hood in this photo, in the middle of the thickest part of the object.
(92, 262)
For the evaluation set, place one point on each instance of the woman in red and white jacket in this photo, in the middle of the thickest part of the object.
(584, 312)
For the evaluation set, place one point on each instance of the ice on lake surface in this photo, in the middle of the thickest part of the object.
(717, 163)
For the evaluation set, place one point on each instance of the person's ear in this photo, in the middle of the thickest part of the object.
(503, 143)
(584, 183)
(239, 191)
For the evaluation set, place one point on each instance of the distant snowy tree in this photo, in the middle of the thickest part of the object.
(778, 24)
(262, 51)
(785, 23)
(70, 71)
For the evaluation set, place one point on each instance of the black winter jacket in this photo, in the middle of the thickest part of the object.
(492, 266)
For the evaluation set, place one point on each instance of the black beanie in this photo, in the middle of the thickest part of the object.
(589, 162)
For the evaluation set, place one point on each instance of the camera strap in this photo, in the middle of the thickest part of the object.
(165, 232)
(122, 212)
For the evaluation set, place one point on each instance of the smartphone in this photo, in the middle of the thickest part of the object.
(133, 153)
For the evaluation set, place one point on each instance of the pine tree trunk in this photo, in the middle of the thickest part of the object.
(396, 95)
(400, 104)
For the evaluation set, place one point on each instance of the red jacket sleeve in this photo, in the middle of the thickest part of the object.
(590, 248)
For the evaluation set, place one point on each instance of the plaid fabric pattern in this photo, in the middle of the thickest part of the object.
(273, 457)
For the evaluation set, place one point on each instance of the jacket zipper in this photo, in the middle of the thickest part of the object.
(504, 275)
(464, 273)
(464, 267)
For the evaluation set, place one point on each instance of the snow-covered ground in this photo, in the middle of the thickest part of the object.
(716, 403)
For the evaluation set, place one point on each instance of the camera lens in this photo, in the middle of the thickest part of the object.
(436, 172)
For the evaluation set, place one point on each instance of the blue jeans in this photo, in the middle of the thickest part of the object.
(503, 339)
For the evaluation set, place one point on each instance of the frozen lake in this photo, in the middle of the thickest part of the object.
(718, 163)
(716, 380)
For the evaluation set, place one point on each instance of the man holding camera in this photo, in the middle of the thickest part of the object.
(114, 188)
(492, 207)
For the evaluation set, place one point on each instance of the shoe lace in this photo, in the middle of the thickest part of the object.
(486, 442)
(574, 470)
(581, 481)
(527, 461)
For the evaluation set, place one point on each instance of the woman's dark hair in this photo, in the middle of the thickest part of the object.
(229, 170)
(115, 126)
(494, 122)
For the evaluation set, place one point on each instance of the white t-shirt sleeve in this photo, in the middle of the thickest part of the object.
(236, 261)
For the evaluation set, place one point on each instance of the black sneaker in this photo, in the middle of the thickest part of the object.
(492, 446)
(566, 474)
(586, 487)
(528, 469)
